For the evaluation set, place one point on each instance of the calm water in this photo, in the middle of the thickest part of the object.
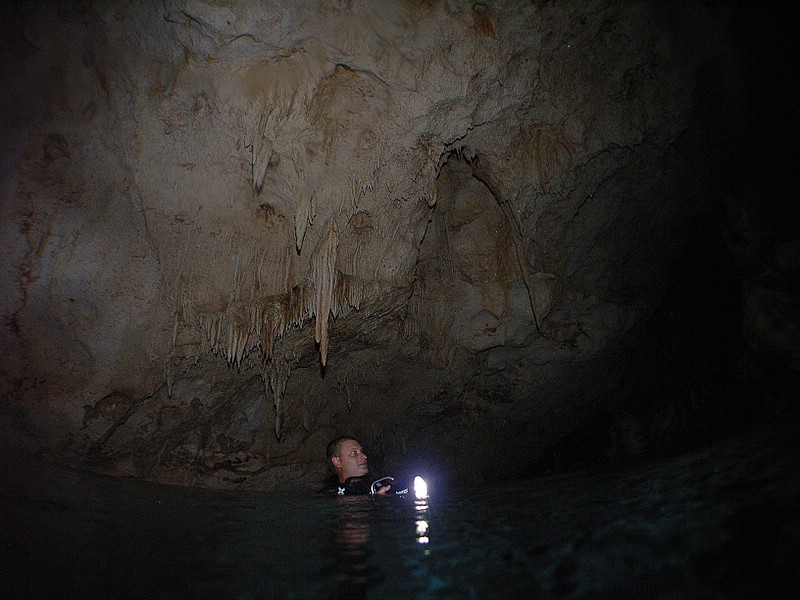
(723, 522)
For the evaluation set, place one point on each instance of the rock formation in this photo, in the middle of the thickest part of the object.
(232, 230)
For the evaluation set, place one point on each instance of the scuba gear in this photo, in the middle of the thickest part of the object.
(352, 486)
(379, 483)
(361, 486)
(383, 482)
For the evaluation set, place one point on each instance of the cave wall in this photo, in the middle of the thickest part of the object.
(233, 230)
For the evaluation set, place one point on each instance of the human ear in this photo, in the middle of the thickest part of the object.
(337, 462)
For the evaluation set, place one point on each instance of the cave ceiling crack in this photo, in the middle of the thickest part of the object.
(205, 29)
(613, 148)
(362, 71)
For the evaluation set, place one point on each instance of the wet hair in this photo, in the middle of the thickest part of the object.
(335, 444)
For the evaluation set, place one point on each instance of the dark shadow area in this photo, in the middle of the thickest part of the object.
(719, 355)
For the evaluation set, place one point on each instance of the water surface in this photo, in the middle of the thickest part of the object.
(722, 522)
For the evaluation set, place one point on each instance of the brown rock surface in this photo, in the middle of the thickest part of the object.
(469, 206)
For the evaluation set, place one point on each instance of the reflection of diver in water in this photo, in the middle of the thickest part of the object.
(353, 567)
(352, 553)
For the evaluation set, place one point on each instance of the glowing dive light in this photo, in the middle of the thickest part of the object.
(420, 488)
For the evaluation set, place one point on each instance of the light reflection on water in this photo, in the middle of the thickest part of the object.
(682, 527)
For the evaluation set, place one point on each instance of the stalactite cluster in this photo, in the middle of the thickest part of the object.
(245, 327)
(248, 327)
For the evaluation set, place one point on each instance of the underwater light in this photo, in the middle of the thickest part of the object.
(420, 488)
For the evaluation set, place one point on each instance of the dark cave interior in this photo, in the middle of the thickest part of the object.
(693, 379)
(716, 359)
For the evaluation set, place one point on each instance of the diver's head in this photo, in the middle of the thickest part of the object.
(347, 458)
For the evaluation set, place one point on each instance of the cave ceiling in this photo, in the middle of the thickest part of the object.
(233, 230)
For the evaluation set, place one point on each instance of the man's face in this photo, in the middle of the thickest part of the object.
(351, 460)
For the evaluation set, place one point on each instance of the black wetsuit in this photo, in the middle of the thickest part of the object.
(352, 486)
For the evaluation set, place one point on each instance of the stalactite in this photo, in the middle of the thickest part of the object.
(324, 278)
(250, 323)
(355, 192)
(302, 219)
(276, 88)
(246, 326)
(343, 285)
(266, 336)
(432, 196)
(352, 291)
(278, 377)
(346, 387)
(261, 148)
(296, 307)
(228, 334)
(264, 372)
(237, 341)
(168, 377)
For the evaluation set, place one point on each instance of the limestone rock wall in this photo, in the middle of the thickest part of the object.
(232, 230)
